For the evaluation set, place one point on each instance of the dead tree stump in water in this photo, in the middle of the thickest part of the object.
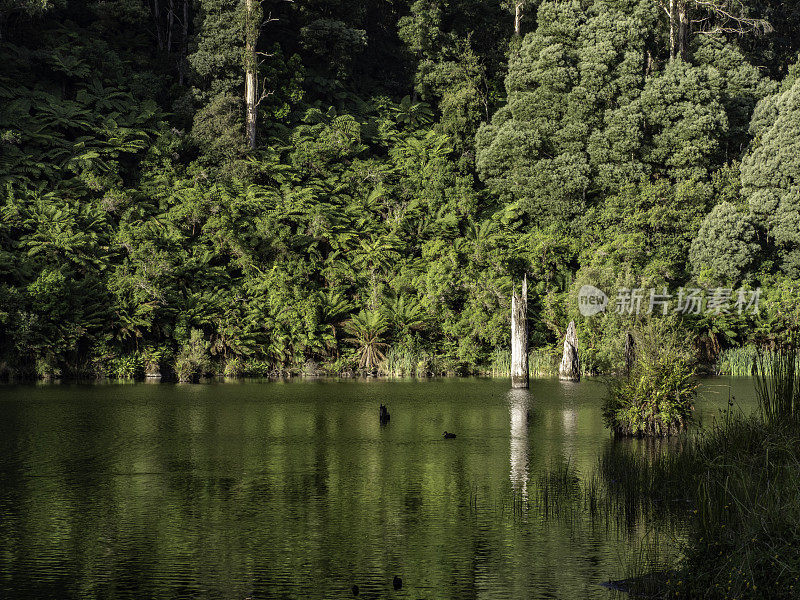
(570, 364)
(519, 337)
(383, 415)
(630, 353)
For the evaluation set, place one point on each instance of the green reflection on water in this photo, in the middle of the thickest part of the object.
(293, 490)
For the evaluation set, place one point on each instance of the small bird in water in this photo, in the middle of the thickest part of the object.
(383, 415)
(449, 436)
(397, 582)
(355, 590)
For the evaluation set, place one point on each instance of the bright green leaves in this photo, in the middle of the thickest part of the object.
(771, 173)
(410, 114)
(726, 247)
(685, 121)
(535, 149)
(60, 233)
(583, 119)
(367, 329)
(323, 139)
(59, 251)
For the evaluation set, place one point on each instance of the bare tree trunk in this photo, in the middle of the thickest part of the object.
(630, 353)
(184, 42)
(250, 75)
(673, 28)
(170, 22)
(519, 337)
(157, 20)
(519, 7)
(570, 364)
(683, 30)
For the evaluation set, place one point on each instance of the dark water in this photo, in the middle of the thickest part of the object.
(292, 490)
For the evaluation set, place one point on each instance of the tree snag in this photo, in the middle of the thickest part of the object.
(519, 337)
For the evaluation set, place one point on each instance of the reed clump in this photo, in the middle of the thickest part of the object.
(740, 481)
(541, 363)
(404, 362)
(738, 362)
(656, 397)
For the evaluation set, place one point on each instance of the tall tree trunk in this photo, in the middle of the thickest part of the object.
(184, 42)
(170, 23)
(630, 353)
(157, 20)
(683, 30)
(673, 29)
(250, 75)
(519, 7)
(519, 337)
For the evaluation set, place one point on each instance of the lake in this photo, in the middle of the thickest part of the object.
(293, 490)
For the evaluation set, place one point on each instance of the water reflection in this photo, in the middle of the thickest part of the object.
(294, 490)
(519, 406)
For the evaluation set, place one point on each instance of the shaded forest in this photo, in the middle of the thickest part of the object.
(254, 187)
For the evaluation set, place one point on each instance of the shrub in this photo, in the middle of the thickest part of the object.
(233, 367)
(192, 360)
(656, 397)
(127, 367)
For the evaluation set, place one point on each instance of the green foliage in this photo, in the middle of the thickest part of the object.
(771, 174)
(334, 40)
(726, 247)
(743, 539)
(656, 397)
(734, 484)
(541, 363)
(126, 367)
(192, 360)
(534, 149)
(413, 163)
(737, 362)
(367, 329)
(777, 381)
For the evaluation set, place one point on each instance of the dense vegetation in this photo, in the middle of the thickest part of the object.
(738, 479)
(656, 395)
(244, 187)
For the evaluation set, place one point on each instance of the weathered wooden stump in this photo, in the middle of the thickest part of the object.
(570, 368)
(630, 353)
(519, 337)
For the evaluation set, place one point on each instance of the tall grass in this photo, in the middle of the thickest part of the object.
(501, 363)
(777, 383)
(738, 362)
(541, 363)
(406, 363)
(745, 537)
(739, 479)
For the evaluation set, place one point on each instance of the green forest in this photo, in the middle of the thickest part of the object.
(259, 187)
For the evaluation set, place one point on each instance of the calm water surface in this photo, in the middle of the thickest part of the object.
(293, 490)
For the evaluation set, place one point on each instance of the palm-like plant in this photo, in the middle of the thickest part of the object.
(367, 328)
(412, 114)
(334, 306)
(406, 313)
